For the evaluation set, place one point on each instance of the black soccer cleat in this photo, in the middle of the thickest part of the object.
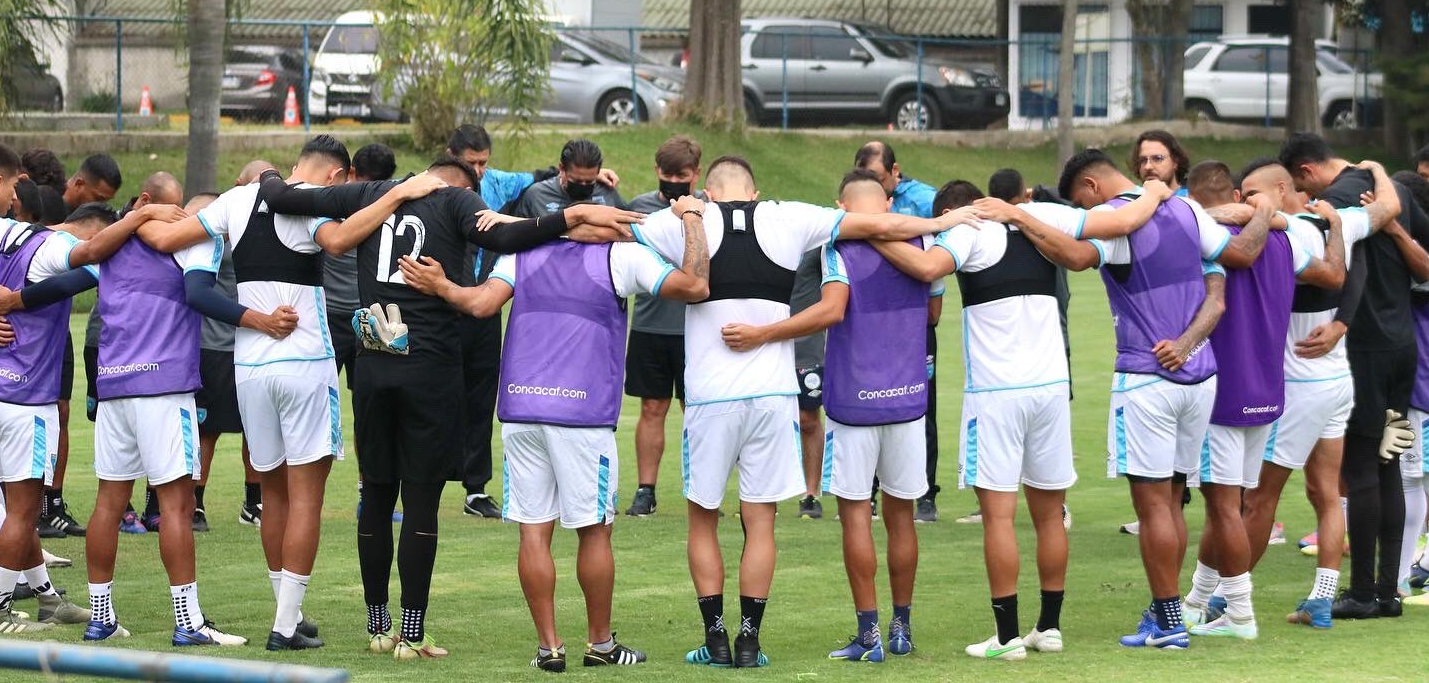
(308, 628)
(747, 654)
(481, 505)
(644, 503)
(277, 643)
(60, 519)
(619, 655)
(553, 661)
(200, 521)
(1391, 607)
(1348, 607)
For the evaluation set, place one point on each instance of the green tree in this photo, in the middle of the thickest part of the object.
(17, 34)
(450, 61)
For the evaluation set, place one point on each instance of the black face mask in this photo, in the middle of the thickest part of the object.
(673, 190)
(579, 191)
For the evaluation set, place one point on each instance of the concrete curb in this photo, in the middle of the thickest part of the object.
(77, 142)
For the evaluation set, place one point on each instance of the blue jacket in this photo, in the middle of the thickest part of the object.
(499, 187)
(913, 198)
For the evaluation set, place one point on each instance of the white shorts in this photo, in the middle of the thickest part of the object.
(1016, 437)
(897, 454)
(1412, 464)
(1157, 427)
(759, 435)
(1233, 455)
(29, 441)
(292, 419)
(565, 473)
(151, 437)
(1313, 411)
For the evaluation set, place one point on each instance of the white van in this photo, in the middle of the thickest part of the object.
(344, 81)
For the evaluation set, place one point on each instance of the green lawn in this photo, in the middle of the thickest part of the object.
(478, 612)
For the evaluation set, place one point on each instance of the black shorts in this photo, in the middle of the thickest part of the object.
(811, 388)
(217, 400)
(654, 365)
(408, 419)
(67, 370)
(91, 375)
(1383, 379)
(344, 343)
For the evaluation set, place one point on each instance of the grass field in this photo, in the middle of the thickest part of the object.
(478, 613)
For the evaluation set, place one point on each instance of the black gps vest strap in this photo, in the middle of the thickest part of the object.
(261, 257)
(1309, 298)
(741, 269)
(1023, 271)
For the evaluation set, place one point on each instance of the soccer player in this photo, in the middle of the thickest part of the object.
(45, 168)
(1319, 393)
(409, 431)
(655, 358)
(1258, 305)
(97, 180)
(579, 180)
(912, 198)
(1375, 315)
(742, 408)
(1157, 154)
(560, 402)
(1415, 570)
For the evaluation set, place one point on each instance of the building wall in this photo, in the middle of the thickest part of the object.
(160, 67)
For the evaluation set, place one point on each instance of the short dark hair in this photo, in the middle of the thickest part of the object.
(329, 148)
(1304, 148)
(1416, 184)
(445, 160)
(1212, 180)
(1178, 154)
(374, 162)
(1006, 184)
(44, 168)
(469, 136)
(875, 150)
(204, 195)
(102, 167)
(955, 194)
(1255, 165)
(52, 204)
(9, 161)
(92, 211)
(580, 153)
(677, 154)
(1080, 163)
(858, 175)
(1422, 156)
(28, 194)
(734, 159)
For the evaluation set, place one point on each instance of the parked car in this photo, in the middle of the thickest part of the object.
(1240, 77)
(835, 71)
(590, 79)
(31, 86)
(256, 79)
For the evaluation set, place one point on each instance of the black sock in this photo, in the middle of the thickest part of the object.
(712, 611)
(1004, 610)
(1168, 612)
(374, 541)
(378, 620)
(751, 612)
(151, 502)
(417, 550)
(198, 497)
(647, 487)
(252, 494)
(1051, 616)
(1363, 511)
(128, 508)
(1391, 530)
(414, 624)
(54, 500)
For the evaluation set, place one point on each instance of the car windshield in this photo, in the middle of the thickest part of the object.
(608, 50)
(1332, 64)
(352, 40)
(879, 36)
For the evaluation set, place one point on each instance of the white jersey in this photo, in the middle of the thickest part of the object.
(713, 372)
(634, 269)
(1335, 364)
(51, 258)
(1212, 236)
(229, 215)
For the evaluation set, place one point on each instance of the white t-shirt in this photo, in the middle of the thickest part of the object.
(634, 269)
(205, 256)
(52, 256)
(309, 343)
(1335, 364)
(714, 373)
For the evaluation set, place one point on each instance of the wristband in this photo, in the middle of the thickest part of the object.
(697, 212)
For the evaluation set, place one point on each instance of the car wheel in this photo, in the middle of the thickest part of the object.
(910, 112)
(1341, 116)
(619, 108)
(1201, 110)
(751, 110)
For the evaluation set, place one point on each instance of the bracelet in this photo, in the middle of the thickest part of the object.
(697, 212)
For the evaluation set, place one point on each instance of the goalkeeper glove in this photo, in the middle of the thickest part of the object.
(381, 330)
(1397, 436)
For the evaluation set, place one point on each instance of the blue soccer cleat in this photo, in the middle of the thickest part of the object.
(856, 651)
(1418, 576)
(130, 524)
(207, 634)
(1215, 608)
(900, 637)
(1314, 612)
(98, 630)
(1148, 634)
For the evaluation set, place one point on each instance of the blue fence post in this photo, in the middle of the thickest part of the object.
(784, 82)
(118, 76)
(634, 95)
(918, 119)
(307, 84)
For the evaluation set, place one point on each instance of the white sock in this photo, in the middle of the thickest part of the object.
(1327, 581)
(1238, 605)
(101, 606)
(1415, 506)
(276, 579)
(290, 603)
(39, 580)
(186, 611)
(1220, 591)
(1203, 583)
(8, 578)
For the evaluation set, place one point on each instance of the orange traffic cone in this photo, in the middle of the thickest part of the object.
(146, 105)
(290, 109)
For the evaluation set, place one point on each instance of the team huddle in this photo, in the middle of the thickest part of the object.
(1266, 321)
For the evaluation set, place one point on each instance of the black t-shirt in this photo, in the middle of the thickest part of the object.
(440, 225)
(1375, 303)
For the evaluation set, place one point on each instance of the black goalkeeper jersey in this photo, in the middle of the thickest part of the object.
(441, 225)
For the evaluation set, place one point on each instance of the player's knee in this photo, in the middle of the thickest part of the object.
(654, 408)
(809, 423)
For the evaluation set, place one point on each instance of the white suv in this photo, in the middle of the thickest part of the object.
(1233, 77)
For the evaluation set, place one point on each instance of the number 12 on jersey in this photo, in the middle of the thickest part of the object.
(387, 269)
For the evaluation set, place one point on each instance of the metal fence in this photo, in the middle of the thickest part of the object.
(790, 77)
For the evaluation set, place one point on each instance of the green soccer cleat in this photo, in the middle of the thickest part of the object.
(1225, 626)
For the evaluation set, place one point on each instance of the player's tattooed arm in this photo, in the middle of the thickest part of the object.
(1059, 247)
(1245, 248)
(1383, 203)
(1329, 272)
(829, 311)
(428, 277)
(1174, 354)
(692, 281)
(1129, 217)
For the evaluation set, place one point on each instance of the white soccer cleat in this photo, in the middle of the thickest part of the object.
(220, 638)
(381, 643)
(1043, 641)
(991, 649)
(1192, 615)
(55, 561)
(1225, 626)
(1132, 528)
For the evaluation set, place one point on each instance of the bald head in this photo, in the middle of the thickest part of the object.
(730, 179)
(252, 170)
(1268, 177)
(161, 188)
